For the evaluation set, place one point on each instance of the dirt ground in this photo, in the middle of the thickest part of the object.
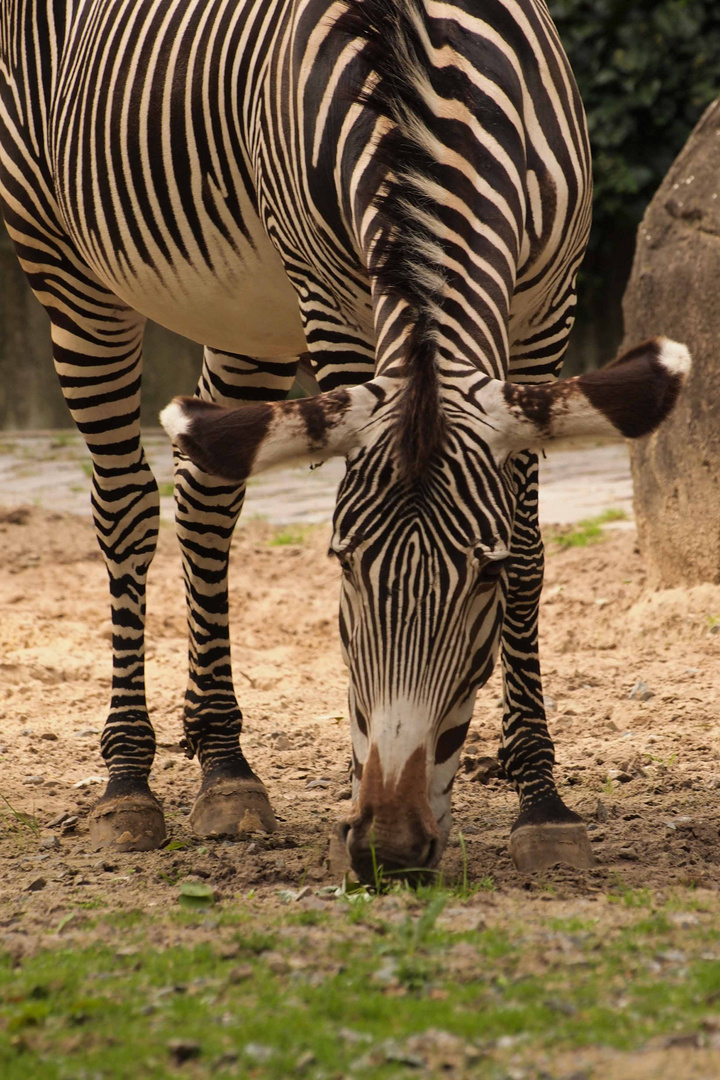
(645, 774)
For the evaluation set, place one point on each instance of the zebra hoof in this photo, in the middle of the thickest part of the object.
(127, 823)
(233, 807)
(537, 847)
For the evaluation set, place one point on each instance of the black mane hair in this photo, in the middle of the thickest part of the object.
(406, 258)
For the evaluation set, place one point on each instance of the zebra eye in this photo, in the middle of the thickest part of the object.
(489, 569)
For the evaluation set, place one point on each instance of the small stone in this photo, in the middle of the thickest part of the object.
(56, 821)
(549, 703)
(641, 692)
(344, 794)
(302, 893)
(182, 1050)
(168, 764)
(49, 843)
(49, 736)
(312, 784)
(620, 775)
(282, 742)
(88, 781)
(488, 768)
(601, 813)
(258, 1052)
(36, 885)
(69, 823)
(34, 780)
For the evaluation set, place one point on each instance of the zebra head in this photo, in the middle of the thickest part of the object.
(424, 558)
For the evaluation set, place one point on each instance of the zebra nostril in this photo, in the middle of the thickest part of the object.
(431, 853)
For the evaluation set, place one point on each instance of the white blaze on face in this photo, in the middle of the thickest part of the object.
(398, 729)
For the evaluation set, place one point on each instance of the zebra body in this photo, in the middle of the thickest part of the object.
(401, 189)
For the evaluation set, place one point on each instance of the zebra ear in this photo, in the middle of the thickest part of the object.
(234, 443)
(630, 396)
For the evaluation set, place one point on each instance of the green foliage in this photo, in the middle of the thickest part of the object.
(588, 531)
(646, 71)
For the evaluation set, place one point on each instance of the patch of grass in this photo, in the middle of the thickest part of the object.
(588, 531)
(19, 820)
(88, 1010)
(289, 536)
(87, 468)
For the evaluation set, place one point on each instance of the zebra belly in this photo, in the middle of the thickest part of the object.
(241, 302)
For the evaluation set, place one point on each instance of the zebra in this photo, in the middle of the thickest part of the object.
(397, 192)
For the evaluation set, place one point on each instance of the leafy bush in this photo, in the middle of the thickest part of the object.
(646, 71)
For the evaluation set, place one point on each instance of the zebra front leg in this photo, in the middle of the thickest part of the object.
(546, 831)
(231, 799)
(99, 362)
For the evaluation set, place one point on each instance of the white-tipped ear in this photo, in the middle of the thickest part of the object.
(235, 443)
(631, 397)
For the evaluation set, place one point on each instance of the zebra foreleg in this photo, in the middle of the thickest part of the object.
(546, 831)
(231, 799)
(97, 350)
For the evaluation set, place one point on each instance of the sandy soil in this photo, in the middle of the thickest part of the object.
(655, 825)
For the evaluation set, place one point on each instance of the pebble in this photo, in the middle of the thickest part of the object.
(601, 813)
(620, 775)
(88, 781)
(49, 843)
(34, 780)
(312, 784)
(36, 885)
(344, 794)
(549, 703)
(49, 736)
(59, 819)
(69, 823)
(641, 692)
(182, 1050)
(488, 768)
(258, 1052)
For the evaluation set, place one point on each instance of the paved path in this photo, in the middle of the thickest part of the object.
(51, 469)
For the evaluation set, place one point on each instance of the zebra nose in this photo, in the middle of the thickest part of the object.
(376, 859)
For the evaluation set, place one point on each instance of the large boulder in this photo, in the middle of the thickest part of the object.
(674, 290)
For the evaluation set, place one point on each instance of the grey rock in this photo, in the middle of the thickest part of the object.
(673, 290)
(601, 813)
(641, 692)
(36, 885)
(49, 843)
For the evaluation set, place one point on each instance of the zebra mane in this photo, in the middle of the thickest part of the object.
(407, 258)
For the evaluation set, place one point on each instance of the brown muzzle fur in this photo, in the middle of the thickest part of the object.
(393, 818)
